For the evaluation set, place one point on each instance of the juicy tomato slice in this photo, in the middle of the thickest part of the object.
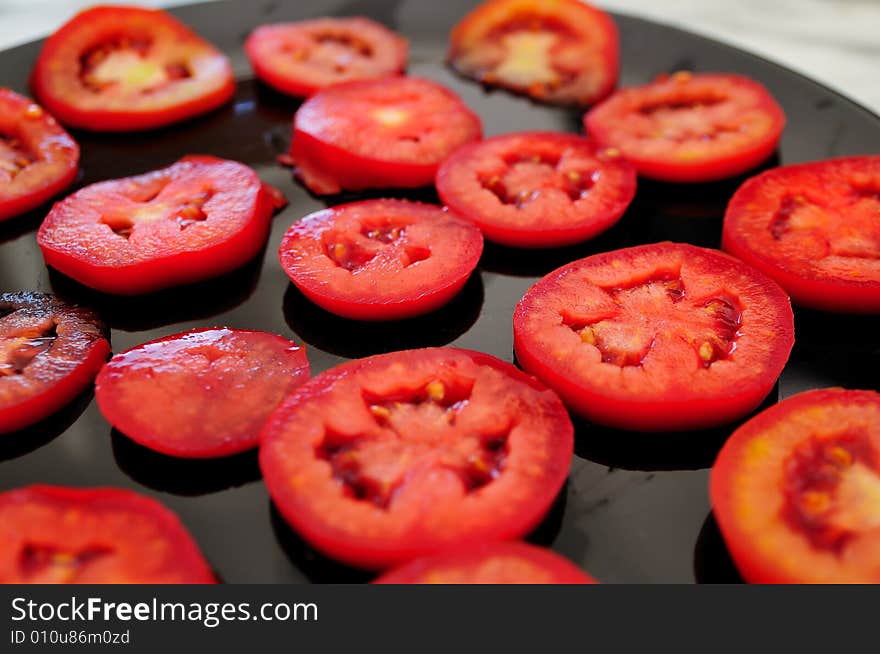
(303, 57)
(491, 563)
(557, 51)
(690, 127)
(813, 228)
(796, 490)
(38, 159)
(126, 68)
(49, 353)
(381, 259)
(384, 459)
(537, 189)
(58, 535)
(196, 219)
(231, 380)
(656, 337)
(390, 133)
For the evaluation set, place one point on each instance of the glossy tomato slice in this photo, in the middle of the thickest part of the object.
(49, 353)
(38, 159)
(57, 535)
(401, 455)
(656, 337)
(557, 51)
(196, 219)
(303, 57)
(381, 259)
(490, 563)
(537, 189)
(796, 490)
(200, 394)
(815, 229)
(126, 68)
(389, 133)
(690, 127)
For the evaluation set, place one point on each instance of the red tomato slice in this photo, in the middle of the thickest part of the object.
(232, 379)
(557, 51)
(304, 57)
(537, 189)
(196, 219)
(38, 159)
(657, 337)
(796, 490)
(401, 455)
(57, 535)
(690, 127)
(49, 353)
(491, 563)
(390, 133)
(814, 228)
(112, 69)
(381, 259)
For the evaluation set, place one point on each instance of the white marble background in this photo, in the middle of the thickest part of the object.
(837, 42)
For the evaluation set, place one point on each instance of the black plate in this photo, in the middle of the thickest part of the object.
(635, 508)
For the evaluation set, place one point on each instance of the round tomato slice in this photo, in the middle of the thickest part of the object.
(196, 219)
(537, 189)
(657, 337)
(38, 159)
(558, 51)
(491, 563)
(49, 353)
(814, 228)
(384, 459)
(796, 490)
(230, 380)
(303, 57)
(125, 68)
(390, 133)
(58, 535)
(381, 259)
(690, 127)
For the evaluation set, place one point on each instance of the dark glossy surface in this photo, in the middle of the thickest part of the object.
(635, 508)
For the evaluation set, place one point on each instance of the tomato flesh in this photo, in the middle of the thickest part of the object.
(127, 68)
(690, 127)
(656, 337)
(814, 229)
(558, 51)
(796, 490)
(381, 259)
(384, 459)
(537, 189)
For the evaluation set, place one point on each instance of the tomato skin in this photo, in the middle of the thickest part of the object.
(56, 83)
(491, 563)
(804, 274)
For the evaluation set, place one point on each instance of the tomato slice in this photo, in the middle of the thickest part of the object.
(401, 455)
(303, 57)
(558, 51)
(112, 69)
(196, 219)
(690, 127)
(813, 228)
(58, 535)
(796, 490)
(537, 189)
(381, 259)
(38, 159)
(390, 133)
(49, 353)
(232, 379)
(656, 337)
(490, 563)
